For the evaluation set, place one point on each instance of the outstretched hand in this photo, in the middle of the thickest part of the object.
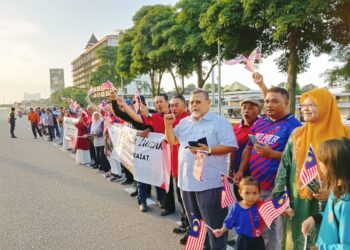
(113, 95)
(169, 119)
(258, 78)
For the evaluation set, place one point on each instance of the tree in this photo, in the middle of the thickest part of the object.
(298, 28)
(144, 87)
(107, 57)
(60, 97)
(224, 21)
(189, 39)
(340, 75)
(339, 19)
(146, 58)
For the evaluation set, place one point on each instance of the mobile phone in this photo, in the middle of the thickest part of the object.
(314, 186)
(193, 143)
(253, 139)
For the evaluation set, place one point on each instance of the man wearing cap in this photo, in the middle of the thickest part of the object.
(263, 155)
(250, 110)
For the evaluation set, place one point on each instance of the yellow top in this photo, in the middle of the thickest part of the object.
(328, 125)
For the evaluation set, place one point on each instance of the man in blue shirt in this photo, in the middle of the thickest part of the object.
(202, 198)
(263, 157)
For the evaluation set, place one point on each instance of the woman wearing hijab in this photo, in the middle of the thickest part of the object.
(322, 122)
(82, 155)
(97, 133)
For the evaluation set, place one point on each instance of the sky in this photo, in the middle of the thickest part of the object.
(36, 35)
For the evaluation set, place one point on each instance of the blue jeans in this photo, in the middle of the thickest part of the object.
(142, 189)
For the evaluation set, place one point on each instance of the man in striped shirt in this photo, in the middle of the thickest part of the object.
(263, 157)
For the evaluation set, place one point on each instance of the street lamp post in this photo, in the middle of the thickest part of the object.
(122, 86)
(213, 87)
(219, 77)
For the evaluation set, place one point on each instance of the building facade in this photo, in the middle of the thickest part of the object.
(56, 79)
(87, 62)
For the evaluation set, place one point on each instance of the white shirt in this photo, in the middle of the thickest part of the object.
(218, 131)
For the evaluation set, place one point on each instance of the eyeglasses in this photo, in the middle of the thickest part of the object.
(307, 106)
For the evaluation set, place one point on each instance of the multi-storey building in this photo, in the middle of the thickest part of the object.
(87, 62)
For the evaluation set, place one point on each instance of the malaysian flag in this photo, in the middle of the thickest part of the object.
(236, 60)
(269, 210)
(227, 196)
(309, 169)
(107, 85)
(255, 55)
(197, 234)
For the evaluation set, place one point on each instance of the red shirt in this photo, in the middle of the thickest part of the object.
(241, 131)
(156, 121)
(175, 148)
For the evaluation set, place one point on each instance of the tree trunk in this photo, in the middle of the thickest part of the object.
(151, 74)
(199, 70)
(160, 75)
(174, 79)
(292, 70)
(183, 84)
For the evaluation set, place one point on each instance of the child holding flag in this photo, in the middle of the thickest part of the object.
(245, 218)
(334, 157)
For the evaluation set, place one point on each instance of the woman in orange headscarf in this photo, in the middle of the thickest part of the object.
(322, 122)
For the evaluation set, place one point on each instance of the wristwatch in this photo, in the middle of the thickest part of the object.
(209, 151)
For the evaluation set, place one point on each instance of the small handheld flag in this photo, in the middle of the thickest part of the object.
(309, 169)
(107, 85)
(198, 165)
(227, 196)
(271, 209)
(197, 234)
(236, 60)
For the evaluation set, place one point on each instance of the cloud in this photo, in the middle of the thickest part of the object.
(10, 29)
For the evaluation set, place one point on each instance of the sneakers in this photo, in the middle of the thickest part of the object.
(107, 175)
(115, 178)
(183, 240)
(143, 207)
(135, 193)
(179, 230)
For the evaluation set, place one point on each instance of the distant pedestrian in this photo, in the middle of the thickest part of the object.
(34, 119)
(12, 121)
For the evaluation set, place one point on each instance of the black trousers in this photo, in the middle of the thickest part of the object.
(128, 174)
(92, 150)
(51, 132)
(184, 220)
(206, 205)
(102, 159)
(169, 199)
(35, 129)
(12, 128)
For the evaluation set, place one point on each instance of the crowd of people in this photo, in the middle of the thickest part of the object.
(267, 150)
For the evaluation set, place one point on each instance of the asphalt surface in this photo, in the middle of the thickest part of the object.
(49, 202)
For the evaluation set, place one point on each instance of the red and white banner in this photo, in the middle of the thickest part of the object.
(147, 158)
(70, 132)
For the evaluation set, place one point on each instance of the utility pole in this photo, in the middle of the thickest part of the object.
(219, 76)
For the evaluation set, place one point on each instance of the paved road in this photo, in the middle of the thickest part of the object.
(48, 202)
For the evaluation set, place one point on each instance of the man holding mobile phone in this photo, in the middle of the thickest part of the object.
(202, 198)
(262, 158)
